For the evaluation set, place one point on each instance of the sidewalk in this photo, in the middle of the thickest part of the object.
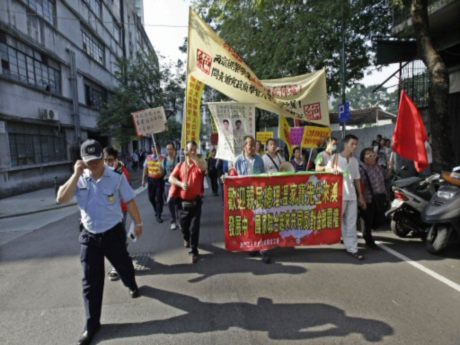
(43, 200)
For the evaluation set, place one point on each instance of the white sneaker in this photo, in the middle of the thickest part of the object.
(173, 226)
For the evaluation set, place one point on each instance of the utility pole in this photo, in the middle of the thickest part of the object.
(342, 65)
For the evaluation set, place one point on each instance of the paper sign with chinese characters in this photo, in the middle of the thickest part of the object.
(149, 121)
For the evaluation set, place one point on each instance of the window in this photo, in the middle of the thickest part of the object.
(31, 144)
(95, 96)
(31, 67)
(45, 9)
(116, 32)
(95, 6)
(35, 27)
(93, 47)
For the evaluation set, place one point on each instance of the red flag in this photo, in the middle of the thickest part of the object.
(410, 136)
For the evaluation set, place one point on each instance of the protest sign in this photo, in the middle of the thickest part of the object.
(262, 212)
(315, 136)
(213, 62)
(284, 132)
(191, 126)
(149, 121)
(234, 121)
(264, 136)
(296, 135)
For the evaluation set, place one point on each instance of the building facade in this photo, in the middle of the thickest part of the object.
(58, 65)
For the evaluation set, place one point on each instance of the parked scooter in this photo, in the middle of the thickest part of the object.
(443, 213)
(411, 196)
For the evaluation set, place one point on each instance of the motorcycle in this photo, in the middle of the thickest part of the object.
(443, 214)
(411, 196)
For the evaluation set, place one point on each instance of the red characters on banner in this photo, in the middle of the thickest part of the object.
(203, 61)
(312, 111)
(263, 212)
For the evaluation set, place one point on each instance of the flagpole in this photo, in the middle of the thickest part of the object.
(184, 111)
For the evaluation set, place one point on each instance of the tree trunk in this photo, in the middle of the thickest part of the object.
(439, 90)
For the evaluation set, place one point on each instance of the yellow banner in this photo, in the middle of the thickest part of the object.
(191, 126)
(314, 137)
(264, 136)
(215, 63)
(284, 131)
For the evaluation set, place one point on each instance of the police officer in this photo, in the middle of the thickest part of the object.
(99, 190)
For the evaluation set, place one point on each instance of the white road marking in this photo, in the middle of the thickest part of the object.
(420, 267)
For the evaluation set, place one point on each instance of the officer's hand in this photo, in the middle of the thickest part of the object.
(138, 230)
(79, 167)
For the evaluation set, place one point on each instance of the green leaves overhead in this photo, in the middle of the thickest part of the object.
(286, 38)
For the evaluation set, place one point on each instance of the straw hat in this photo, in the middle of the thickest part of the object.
(286, 166)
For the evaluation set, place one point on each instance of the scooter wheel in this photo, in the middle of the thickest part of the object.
(437, 238)
(398, 229)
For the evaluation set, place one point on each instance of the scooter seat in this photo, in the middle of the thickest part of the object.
(404, 182)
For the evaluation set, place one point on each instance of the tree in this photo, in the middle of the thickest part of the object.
(287, 38)
(362, 97)
(143, 85)
(439, 90)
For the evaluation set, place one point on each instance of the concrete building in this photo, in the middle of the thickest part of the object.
(58, 64)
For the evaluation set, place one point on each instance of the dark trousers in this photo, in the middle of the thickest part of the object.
(214, 184)
(190, 224)
(156, 194)
(173, 204)
(369, 216)
(93, 248)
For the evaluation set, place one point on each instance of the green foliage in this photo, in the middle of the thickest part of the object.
(142, 85)
(173, 134)
(287, 38)
(362, 97)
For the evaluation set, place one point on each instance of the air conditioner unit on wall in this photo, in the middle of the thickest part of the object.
(48, 114)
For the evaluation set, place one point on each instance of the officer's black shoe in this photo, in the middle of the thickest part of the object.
(195, 258)
(86, 337)
(159, 220)
(134, 293)
(266, 259)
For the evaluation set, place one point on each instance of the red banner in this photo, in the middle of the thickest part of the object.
(263, 212)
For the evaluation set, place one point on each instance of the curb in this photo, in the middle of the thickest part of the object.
(138, 191)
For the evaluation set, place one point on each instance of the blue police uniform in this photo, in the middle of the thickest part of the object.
(103, 235)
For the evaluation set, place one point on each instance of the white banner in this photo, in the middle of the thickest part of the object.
(234, 121)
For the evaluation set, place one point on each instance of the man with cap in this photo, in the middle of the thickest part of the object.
(99, 191)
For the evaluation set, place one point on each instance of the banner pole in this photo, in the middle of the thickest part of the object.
(309, 158)
(154, 143)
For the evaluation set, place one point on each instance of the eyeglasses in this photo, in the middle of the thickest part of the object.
(109, 160)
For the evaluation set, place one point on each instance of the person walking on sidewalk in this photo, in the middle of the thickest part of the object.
(98, 191)
(189, 177)
(348, 165)
(169, 163)
(153, 175)
(111, 160)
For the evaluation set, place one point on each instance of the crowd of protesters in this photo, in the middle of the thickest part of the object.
(177, 180)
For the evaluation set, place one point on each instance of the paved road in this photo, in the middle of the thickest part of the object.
(308, 296)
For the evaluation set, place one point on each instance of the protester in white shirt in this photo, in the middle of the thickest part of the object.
(272, 160)
(348, 165)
